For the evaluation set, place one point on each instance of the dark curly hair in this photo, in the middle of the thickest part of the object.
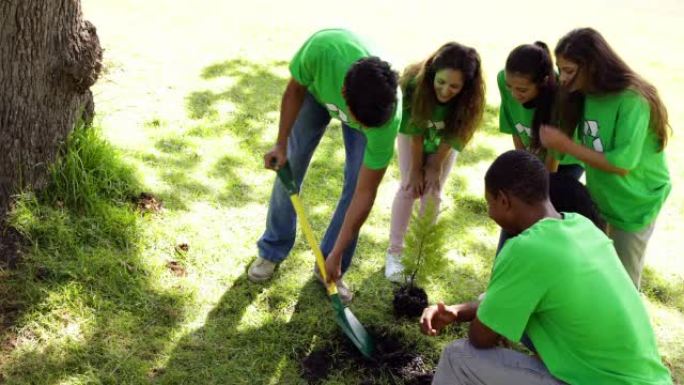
(370, 90)
(520, 174)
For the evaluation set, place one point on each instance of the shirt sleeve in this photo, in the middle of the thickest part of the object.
(505, 121)
(631, 129)
(514, 292)
(302, 64)
(380, 142)
(407, 127)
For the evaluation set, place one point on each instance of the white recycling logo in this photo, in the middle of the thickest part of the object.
(591, 134)
(337, 112)
(522, 129)
(437, 125)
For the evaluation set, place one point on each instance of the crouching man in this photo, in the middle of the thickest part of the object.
(558, 286)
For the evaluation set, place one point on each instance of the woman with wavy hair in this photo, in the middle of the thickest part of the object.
(444, 99)
(623, 129)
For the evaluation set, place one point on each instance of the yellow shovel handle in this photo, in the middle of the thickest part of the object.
(311, 239)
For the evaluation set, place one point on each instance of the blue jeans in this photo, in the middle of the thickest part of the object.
(278, 238)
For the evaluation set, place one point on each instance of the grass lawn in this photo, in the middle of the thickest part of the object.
(188, 103)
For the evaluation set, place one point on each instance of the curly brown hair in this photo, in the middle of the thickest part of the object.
(466, 108)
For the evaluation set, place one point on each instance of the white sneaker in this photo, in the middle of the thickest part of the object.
(261, 270)
(343, 290)
(394, 268)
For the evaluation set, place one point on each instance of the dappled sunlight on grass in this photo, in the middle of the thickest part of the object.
(191, 97)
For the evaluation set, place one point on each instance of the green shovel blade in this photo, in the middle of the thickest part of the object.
(351, 327)
(344, 317)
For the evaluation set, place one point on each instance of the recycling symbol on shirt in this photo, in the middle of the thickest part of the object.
(523, 130)
(431, 132)
(436, 125)
(591, 135)
(337, 112)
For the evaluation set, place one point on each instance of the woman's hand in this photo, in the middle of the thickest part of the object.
(553, 138)
(432, 175)
(416, 182)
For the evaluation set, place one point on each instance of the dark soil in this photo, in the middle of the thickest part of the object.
(176, 268)
(148, 203)
(316, 365)
(10, 241)
(394, 359)
(409, 301)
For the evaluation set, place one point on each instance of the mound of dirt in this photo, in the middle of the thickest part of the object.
(393, 359)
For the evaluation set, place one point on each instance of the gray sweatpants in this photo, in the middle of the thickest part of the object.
(463, 364)
(631, 248)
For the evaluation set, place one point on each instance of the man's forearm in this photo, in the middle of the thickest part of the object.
(359, 208)
(358, 212)
(291, 103)
(466, 311)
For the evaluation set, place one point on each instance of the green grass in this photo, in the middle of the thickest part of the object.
(189, 102)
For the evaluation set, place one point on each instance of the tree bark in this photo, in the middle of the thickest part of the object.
(49, 58)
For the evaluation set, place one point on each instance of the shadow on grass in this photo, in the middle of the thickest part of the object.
(241, 106)
(86, 305)
(254, 96)
(228, 347)
(236, 192)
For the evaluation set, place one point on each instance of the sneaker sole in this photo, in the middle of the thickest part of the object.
(258, 279)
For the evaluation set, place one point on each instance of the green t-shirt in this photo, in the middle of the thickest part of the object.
(433, 131)
(561, 283)
(516, 119)
(321, 65)
(618, 126)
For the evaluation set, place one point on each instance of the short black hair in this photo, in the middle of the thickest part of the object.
(370, 90)
(519, 174)
(567, 194)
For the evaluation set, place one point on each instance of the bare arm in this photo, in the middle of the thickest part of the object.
(417, 152)
(416, 180)
(436, 317)
(437, 160)
(553, 138)
(291, 103)
(433, 167)
(551, 163)
(359, 208)
(481, 336)
(517, 142)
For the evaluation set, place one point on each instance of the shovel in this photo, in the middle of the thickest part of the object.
(343, 316)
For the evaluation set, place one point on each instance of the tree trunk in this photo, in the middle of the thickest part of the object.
(49, 58)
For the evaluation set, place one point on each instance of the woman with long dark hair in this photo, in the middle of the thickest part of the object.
(623, 130)
(528, 86)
